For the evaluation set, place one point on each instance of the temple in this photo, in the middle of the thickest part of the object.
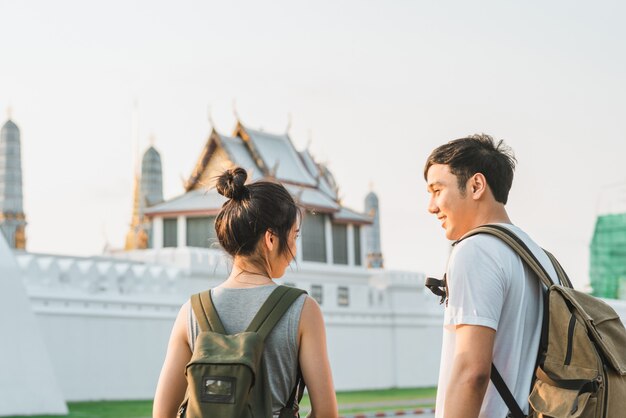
(331, 233)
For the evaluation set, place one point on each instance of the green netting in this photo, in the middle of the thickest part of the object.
(607, 267)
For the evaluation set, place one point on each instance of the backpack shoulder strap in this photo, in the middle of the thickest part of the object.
(292, 406)
(514, 409)
(206, 315)
(563, 277)
(518, 246)
(273, 309)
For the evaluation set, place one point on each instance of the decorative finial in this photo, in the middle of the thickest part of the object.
(310, 139)
(9, 112)
(298, 196)
(274, 169)
(152, 139)
(288, 123)
(134, 137)
(211, 117)
(371, 186)
(235, 109)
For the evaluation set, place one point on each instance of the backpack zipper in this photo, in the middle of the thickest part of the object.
(570, 339)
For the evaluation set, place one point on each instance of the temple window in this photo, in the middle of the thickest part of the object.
(313, 237)
(201, 232)
(343, 296)
(316, 293)
(170, 232)
(340, 244)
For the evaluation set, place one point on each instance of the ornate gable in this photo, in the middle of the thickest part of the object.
(212, 162)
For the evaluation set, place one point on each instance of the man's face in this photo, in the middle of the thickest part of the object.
(453, 208)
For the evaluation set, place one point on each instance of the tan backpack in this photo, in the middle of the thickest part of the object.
(581, 364)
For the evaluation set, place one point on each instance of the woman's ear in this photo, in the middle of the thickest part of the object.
(270, 240)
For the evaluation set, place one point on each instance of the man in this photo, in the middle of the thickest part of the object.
(494, 307)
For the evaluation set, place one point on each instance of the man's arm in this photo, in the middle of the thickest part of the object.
(471, 370)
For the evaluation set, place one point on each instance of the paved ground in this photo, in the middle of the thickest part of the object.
(417, 412)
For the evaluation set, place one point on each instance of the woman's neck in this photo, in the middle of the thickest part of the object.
(242, 277)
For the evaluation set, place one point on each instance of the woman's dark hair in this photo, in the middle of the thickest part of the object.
(250, 211)
(477, 154)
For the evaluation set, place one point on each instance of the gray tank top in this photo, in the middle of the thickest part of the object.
(236, 308)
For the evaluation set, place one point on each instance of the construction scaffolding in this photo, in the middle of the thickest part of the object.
(607, 266)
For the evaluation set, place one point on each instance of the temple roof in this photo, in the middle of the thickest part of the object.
(240, 156)
(278, 155)
(311, 198)
(264, 156)
(326, 182)
(350, 216)
(199, 201)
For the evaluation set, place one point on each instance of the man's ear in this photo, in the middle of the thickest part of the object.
(477, 185)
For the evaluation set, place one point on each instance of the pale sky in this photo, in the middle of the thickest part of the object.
(371, 86)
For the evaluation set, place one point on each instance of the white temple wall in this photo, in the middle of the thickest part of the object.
(360, 356)
(106, 333)
(28, 384)
(416, 353)
(102, 353)
(105, 349)
(113, 348)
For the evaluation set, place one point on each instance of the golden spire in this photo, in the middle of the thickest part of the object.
(136, 236)
(135, 224)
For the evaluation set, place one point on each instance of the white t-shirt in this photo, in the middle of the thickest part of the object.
(489, 285)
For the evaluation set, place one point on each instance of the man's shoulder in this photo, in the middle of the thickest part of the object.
(488, 242)
(478, 243)
(485, 249)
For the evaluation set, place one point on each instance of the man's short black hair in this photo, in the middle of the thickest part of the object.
(477, 154)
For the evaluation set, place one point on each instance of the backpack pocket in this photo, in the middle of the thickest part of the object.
(221, 374)
(552, 397)
(603, 323)
(218, 390)
(549, 401)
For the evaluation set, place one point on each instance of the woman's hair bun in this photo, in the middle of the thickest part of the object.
(231, 183)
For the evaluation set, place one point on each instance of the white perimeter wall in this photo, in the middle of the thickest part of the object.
(110, 343)
(116, 352)
(114, 349)
(105, 349)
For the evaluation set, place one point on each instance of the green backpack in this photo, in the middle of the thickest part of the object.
(226, 377)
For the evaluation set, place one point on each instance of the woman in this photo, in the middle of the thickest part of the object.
(258, 227)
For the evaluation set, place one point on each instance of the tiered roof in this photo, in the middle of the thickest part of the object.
(264, 156)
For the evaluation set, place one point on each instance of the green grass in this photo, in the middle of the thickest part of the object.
(410, 395)
(366, 396)
(106, 409)
(143, 409)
